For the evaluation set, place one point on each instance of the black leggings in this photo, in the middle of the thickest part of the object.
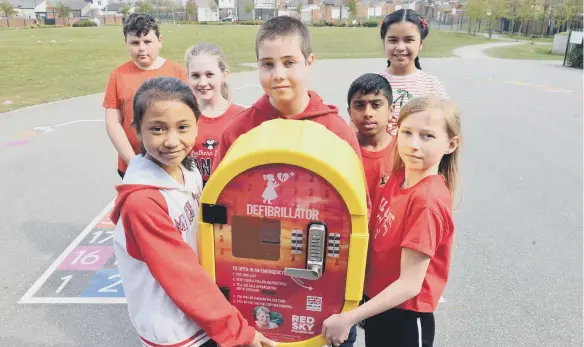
(400, 328)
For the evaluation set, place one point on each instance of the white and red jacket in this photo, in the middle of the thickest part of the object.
(171, 299)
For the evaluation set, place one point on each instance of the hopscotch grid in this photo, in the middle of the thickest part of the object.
(28, 298)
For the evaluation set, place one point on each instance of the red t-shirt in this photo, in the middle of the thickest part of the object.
(207, 141)
(378, 166)
(418, 218)
(123, 84)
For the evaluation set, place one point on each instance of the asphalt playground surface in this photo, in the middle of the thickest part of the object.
(516, 277)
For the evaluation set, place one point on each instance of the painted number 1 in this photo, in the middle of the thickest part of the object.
(65, 280)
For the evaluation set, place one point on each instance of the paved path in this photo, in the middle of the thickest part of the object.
(477, 51)
(517, 265)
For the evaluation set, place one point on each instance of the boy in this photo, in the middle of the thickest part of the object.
(284, 54)
(370, 106)
(143, 42)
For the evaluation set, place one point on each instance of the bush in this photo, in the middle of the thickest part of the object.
(84, 23)
(370, 24)
(251, 22)
(575, 57)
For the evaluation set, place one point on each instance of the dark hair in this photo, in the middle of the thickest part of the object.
(406, 16)
(370, 83)
(284, 26)
(163, 89)
(140, 24)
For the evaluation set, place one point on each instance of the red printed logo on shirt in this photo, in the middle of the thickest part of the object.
(384, 218)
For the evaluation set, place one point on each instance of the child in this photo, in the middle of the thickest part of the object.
(207, 69)
(143, 41)
(284, 53)
(403, 33)
(171, 299)
(412, 233)
(370, 108)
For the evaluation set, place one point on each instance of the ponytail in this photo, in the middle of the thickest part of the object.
(417, 63)
(225, 91)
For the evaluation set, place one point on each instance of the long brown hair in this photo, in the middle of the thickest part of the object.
(448, 166)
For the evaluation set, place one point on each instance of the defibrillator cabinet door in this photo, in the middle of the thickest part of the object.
(276, 215)
(282, 236)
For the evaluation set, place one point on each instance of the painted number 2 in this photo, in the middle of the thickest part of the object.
(111, 288)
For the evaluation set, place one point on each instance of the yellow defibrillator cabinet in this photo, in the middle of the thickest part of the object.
(283, 229)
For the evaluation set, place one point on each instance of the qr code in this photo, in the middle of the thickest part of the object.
(314, 303)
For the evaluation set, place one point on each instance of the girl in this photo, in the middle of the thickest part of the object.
(171, 300)
(403, 33)
(207, 69)
(412, 232)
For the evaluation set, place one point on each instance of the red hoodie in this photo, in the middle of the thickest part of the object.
(262, 110)
(171, 299)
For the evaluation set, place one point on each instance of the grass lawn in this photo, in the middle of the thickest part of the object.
(524, 51)
(41, 65)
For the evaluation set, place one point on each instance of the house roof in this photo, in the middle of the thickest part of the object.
(116, 6)
(25, 3)
(205, 3)
(72, 4)
(331, 2)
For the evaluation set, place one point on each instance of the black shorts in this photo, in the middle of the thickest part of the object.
(210, 343)
(400, 328)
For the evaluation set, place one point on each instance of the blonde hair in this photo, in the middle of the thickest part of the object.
(448, 166)
(210, 50)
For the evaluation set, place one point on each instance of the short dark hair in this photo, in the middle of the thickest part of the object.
(140, 24)
(163, 89)
(370, 83)
(284, 26)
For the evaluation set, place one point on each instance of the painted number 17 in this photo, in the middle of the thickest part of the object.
(109, 235)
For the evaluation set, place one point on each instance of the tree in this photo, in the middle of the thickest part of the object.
(526, 10)
(7, 10)
(511, 14)
(193, 10)
(353, 8)
(299, 9)
(125, 11)
(564, 11)
(475, 10)
(249, 9)
(144, 7)
(63, 12)
(498, 9)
